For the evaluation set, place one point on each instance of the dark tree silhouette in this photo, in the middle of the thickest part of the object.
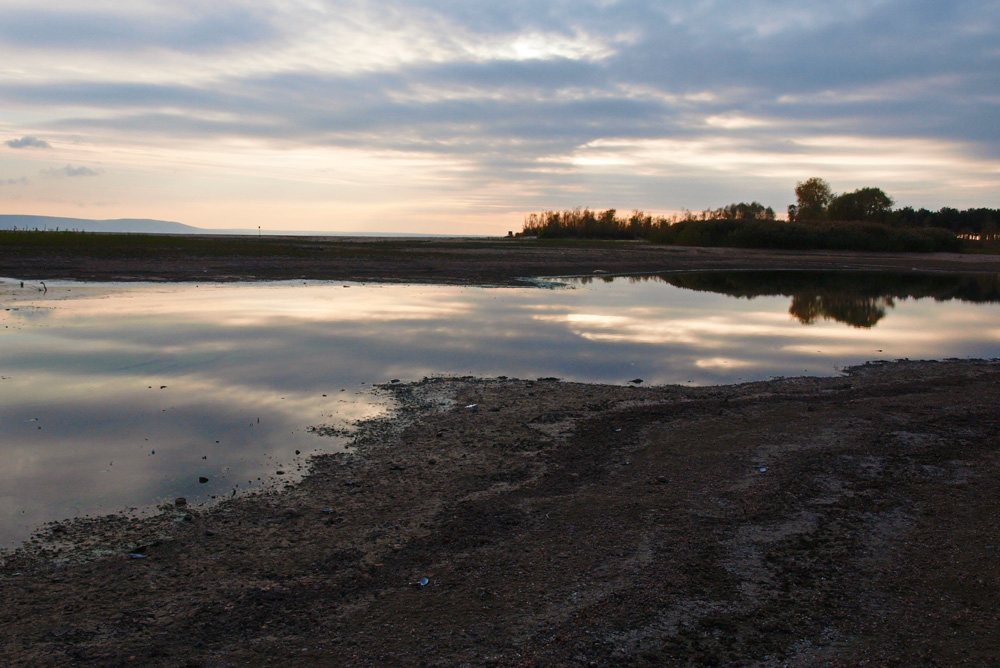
(814, 196)
(868, 204)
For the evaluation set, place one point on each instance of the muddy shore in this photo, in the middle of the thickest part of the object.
(800, 522)
(796, 522)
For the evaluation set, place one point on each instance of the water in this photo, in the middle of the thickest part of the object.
(116, 396)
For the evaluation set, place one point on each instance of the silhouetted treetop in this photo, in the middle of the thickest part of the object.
(814, 196)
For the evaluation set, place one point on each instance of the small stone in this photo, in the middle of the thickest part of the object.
(202, 479)
(279, 472)
(180, 501)
(662, 479)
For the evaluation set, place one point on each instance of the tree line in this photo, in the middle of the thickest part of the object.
(860, 220)
(816, 202)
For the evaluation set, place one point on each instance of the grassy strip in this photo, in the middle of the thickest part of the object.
(114, 246)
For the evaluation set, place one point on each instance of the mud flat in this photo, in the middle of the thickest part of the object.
(804, 521)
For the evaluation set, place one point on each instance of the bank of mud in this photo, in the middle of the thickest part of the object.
(805, 521)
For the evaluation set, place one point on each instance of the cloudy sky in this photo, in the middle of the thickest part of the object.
(460, 117)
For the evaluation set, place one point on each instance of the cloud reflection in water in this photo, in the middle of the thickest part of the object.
(86, 364)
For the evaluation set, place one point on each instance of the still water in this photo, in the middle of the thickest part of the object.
(115, 396)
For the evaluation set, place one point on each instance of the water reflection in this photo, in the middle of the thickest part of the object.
(857, 299)
(115, 396)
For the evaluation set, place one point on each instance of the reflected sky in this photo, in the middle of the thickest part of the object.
(116, 396)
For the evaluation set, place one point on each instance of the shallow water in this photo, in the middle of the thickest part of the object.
(116, 396)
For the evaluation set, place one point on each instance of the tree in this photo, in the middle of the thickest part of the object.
(868, 204)
(814, 196)
(744, 211)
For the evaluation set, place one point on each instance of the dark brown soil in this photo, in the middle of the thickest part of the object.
(463, 261)
(798, 522)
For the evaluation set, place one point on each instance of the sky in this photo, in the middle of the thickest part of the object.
(461, 117)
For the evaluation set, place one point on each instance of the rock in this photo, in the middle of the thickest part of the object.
(202, 479)
(180, 501)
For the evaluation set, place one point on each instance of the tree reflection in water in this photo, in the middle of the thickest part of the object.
(862, 312)
(858, 299)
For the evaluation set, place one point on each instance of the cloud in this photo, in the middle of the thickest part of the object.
(27, 142)
(68, 171)
(14, 182)
(134, 26)
(590, 99)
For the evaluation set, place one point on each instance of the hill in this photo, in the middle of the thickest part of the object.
(136, 225)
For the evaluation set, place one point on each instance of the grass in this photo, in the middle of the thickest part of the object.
(111, 245)
(98, 245)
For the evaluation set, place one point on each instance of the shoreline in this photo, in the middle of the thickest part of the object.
(798, 520)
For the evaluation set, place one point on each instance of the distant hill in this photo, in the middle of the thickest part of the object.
(140, 225)
(147, 226)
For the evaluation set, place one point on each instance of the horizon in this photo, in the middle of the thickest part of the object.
(438, 118)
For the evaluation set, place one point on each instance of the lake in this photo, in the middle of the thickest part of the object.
(120, 396)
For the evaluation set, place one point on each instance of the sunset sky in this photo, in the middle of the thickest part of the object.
(460, 117)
